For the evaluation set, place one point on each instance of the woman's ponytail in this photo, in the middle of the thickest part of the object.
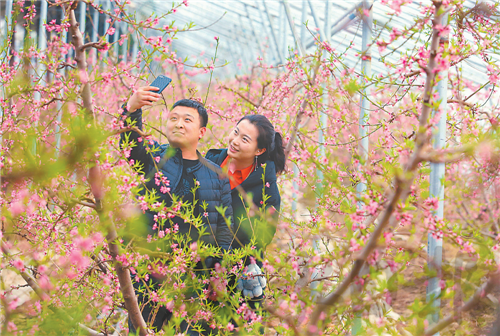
(278, 153)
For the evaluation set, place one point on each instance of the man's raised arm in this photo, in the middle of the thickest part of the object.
(132, 111)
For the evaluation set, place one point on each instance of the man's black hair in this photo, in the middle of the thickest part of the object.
(196, 105)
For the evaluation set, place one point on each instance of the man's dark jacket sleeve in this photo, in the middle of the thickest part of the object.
(224, 231)
(139, 151)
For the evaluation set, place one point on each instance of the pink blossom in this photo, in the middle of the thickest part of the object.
(45, 283)
(85, 244)
(443, 30)
(432, 203)
(354, 245)
(76, 258)
(11, 326)
(97, 237)
(17, 208)
(84, 78)
(372, 207)
(19, 264)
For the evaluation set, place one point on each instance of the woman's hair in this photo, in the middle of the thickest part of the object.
(268, 139)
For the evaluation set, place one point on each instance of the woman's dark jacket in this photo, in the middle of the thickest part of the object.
(213, 190)
(254, 185)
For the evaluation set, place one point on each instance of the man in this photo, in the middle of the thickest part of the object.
(178, 169)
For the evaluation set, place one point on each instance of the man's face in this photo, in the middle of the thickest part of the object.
(183, 127)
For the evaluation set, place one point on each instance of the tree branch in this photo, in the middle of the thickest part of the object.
(473, 301)
(401, 185)
(241, 96)
(287, 319)
(450, 155)
(98, 45)
(41, 294)
(95, 180)
(300, 113)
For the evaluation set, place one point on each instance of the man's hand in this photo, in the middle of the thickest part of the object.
(143, 96)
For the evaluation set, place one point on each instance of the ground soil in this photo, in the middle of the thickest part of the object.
(477, 321)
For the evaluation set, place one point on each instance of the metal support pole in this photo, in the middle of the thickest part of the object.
(282, 36)
(83, 17)
(8, 19)
(42, 45)
(273, 34)
(301, 52)
(250, 21)
(235, 61)
(274, 50)
(107, 7)
(364, 116)
(42, 36)
(295, 166)
(59, 105)
(344, 21)
(327, 31)
(245, 54)
(317, 22)
(298, 42)
(303, 19)
(125, 43)
(323, 117)
(116, 37)
(236, 53)
(435, 245)
(295, 193)
(135, 47)
(366, 70)
(95, 30)
(19, 36)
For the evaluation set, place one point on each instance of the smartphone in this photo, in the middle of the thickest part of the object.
(161, 82)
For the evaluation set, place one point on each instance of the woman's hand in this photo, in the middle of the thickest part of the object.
(143, 96)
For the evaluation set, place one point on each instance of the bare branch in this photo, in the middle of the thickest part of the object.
(401, 185)
(98, 45)
(255, 105)
(473, 301)
(287, 319)
(41, 293)
(300, 114)
(95, 180)
(450, 155)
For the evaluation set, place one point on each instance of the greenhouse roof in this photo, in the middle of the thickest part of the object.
(249, 29)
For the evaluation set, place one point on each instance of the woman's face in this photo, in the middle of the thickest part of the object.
(242, 142)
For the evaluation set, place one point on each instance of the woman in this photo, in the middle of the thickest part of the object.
(254, 151)
(253, 158)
